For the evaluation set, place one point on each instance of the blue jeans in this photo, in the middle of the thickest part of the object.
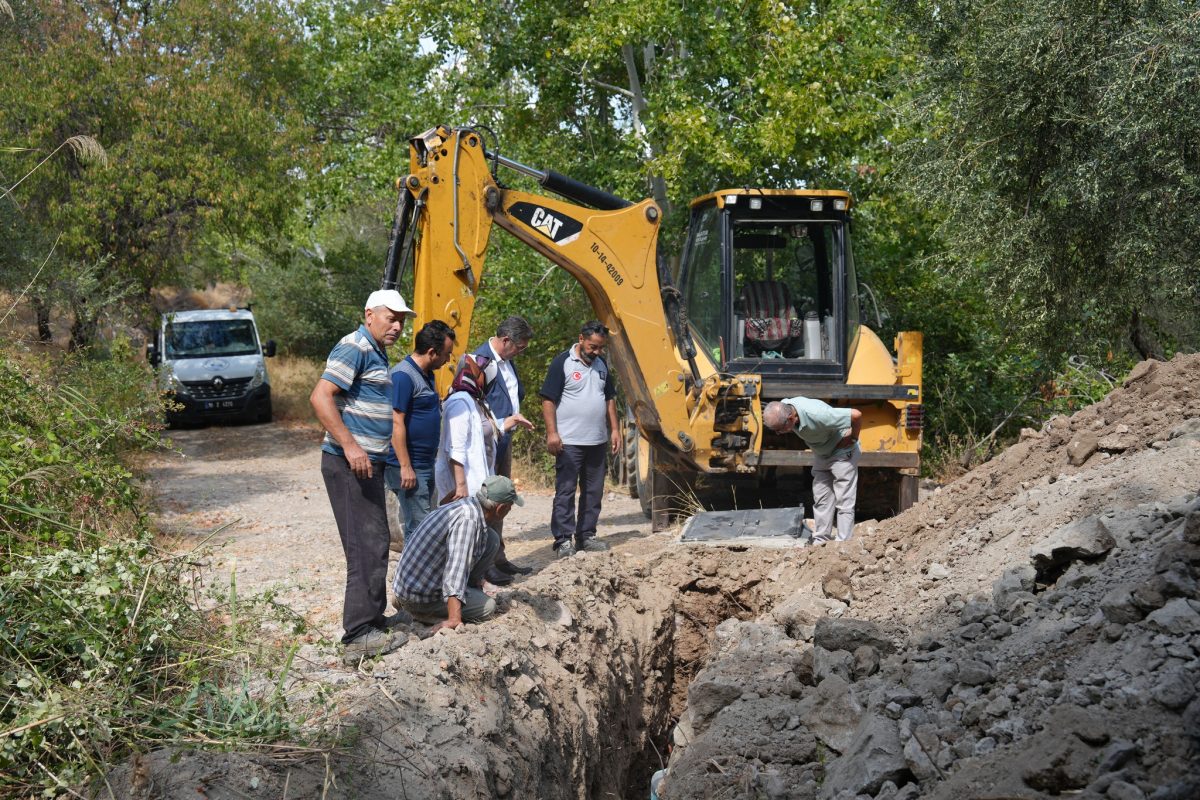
(415, 503)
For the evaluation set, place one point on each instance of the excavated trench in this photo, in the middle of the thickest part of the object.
(658, 634)
(573, 691)
(683, 648)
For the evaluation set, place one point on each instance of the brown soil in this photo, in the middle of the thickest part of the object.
(597, 665)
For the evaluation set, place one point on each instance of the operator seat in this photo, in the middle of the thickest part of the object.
(771, 319)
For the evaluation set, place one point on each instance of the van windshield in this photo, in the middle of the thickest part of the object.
(203, 339)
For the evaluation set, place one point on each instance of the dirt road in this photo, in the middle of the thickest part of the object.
(260, 487)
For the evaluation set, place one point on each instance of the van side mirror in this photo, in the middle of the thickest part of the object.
(152, 355)
(269, 348)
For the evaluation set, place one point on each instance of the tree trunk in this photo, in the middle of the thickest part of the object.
(1143, 340)
(41, 310)
(658, 186)
(84, 327)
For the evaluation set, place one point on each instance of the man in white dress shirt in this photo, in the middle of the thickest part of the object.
(504, 398)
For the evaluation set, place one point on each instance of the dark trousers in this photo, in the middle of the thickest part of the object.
(360, 509)
(503, 467)
(581, 466)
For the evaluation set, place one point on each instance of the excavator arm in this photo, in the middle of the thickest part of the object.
(450, 201)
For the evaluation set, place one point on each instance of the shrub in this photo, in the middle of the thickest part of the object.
(307, 302)
(100, 652)
(63, 424)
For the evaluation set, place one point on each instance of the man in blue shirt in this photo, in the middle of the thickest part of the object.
(352, 400)
(832, 434)
(417, 422)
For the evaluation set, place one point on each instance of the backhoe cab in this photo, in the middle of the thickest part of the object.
(766, 277)
(766, 307)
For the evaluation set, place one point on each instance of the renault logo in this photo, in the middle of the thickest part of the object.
(218, 382)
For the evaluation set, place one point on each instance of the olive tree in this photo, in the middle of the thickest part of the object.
(1063, 148)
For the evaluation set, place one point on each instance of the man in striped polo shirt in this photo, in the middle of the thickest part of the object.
(352, 400)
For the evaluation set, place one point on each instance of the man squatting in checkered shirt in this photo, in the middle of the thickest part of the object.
(440, 577)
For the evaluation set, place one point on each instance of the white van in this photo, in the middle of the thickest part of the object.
(211, 364)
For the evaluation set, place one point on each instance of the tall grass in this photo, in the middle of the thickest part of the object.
(292, 381)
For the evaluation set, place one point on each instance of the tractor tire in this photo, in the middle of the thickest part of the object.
(643, 469)
(629, 459)
(657, 489)
(910, 486)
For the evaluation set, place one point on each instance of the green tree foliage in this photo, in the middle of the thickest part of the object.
(671, 100)
(1062, 149)
(191, 101)
(312, 294)
(364, 86)
(614, 92)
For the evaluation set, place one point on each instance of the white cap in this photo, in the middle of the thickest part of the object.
(389, 298)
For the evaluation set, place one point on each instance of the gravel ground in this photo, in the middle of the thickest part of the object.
(259, 488)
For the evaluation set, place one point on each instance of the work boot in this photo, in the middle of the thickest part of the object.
(372, 643)
(503, 564)
(509, 568)
(427, 619)
(401, 617)
(591, 545)
(495, 576)
(566, 549)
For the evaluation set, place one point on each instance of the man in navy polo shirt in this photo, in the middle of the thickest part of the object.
(580, 409)
(352, 400)
(417, 422)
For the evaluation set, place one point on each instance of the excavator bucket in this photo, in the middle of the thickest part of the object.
(762, 527)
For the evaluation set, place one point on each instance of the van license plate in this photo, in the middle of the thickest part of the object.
(213, 405)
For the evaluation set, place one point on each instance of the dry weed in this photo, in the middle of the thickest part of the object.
(215, 295)
(953, 456)
(292, 381)
(530, 475)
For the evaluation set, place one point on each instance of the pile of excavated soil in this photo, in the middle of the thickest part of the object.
(1030, 630)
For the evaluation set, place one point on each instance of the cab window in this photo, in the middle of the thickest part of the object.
(702, 276)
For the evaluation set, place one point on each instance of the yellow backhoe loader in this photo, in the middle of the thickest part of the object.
(765, 307)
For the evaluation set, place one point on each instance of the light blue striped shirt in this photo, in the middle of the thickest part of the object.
(359, 367)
